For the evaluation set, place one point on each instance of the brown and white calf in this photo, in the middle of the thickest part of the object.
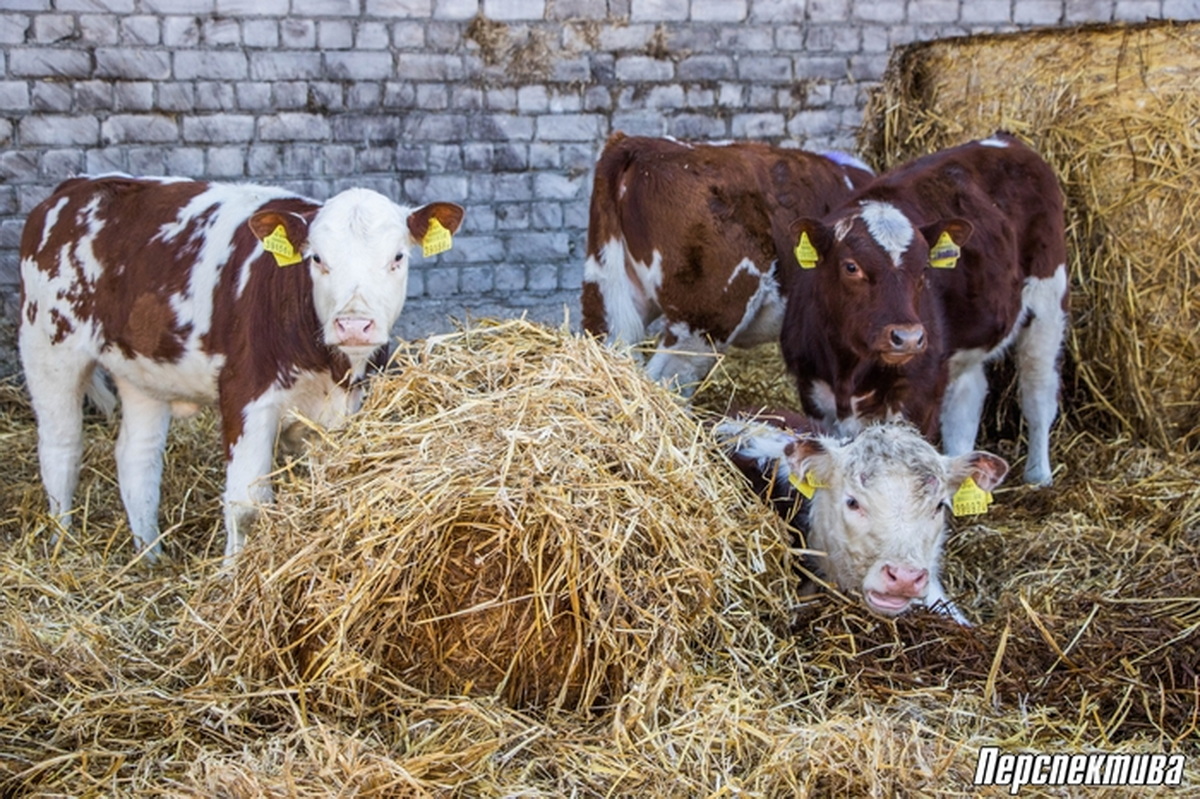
(912, 285)
(688, 233)
(168, 286)
(877, 506)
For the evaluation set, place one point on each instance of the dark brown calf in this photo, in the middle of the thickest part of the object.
(909, 287)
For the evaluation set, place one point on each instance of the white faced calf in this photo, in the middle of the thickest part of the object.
(190, 293)
(878, 504)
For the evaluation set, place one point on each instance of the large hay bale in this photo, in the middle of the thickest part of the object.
(515, 511)
(1115, 110)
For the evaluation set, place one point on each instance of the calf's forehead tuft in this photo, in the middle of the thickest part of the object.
(358, 212)
(895, 449)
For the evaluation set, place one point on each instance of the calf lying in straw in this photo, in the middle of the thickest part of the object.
(874, 505)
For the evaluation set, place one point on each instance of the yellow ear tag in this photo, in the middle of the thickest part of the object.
(278, 245)
(806, 253)
(808, 486)
(437, 239)
(970, 499)
(944, 254)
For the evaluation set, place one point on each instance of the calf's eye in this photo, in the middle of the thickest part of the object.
(852, 503)
(850, 267)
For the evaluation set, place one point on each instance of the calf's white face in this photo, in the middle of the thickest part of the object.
(357, 248)
(880, 510)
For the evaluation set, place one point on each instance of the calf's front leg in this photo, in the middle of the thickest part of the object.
(249, 462)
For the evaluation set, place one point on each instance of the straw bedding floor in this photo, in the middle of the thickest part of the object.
(524, 570)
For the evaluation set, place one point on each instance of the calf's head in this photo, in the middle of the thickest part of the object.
(356, 246)
(870, 261)
(879, 510)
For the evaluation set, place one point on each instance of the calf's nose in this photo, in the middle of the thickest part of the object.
(354, 332)
(904, 580)
(906, 338)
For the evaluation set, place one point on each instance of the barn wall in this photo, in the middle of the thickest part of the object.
(501, 105)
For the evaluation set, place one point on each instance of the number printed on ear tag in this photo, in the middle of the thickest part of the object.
(437, 239)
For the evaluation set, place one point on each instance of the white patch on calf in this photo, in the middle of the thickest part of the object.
(763, 317)
(993, 142)
(685, 363)
(626, 302)
(1038, 346)
(1038, 335)
(892, 230)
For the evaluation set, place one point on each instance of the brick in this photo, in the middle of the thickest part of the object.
(96, 30)
(500, 127)
(1076, 11)
(923, 12)
(512, 216)
(262, 33)
(419, 9)
(13, 28)
(96, 6)
(133, 96)
(263, 8)
(218, 128)
(510, 10)
(52, 130)
(215, 96)
(298, 34)
(140, 30)
(129, 63)
(463, 9)
(413, 66)
(1181, 9)
(367, 128)
(219, 32)
(14, 96)
(549, 186)
(776, 69)
(147, 161)
(38, 62)
(658, 10)
(838, 11)
(776, 11)
(643, 68)
(146, 128)
(706, 67)
(372, 36)
(327, 8)
(18, 167)
(335, 34)
(569, 127)
(226, 162)
(198, 7)
(54, 97)
(697, 126)
(1041, 12)
(719, 10)
(294, 127)
(1125, 11)
(272, 66)
(211, 64)
(180, 31)
(92, 95)
(53, 28)
(758, 126)
(542, 276)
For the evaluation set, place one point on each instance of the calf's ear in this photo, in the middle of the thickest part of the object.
(264, 223)
(811, 241)
(986, 469)
(449, 215)
(806, 454)
(959, 230)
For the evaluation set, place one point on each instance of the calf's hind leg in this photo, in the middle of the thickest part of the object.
(57, 378)
(1038, 347)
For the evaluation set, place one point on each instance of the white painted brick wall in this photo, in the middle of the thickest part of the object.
(399, 95)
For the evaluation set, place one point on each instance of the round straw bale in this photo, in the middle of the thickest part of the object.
(1115, 110)
(515, 511)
